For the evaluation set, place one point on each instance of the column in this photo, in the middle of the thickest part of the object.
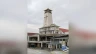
(59, 46)
(41, 45)
(62, 41)
(56, 46)
(66, 42)
(46, 38)
(38, 38)
(28, 38)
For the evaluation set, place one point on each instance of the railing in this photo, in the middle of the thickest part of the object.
(52, 34)
(34, 35)
(38, 41)
(45, 40)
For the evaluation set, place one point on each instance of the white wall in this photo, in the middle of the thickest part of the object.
(48, 20)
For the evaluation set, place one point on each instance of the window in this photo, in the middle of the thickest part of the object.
(60, 39)
(63, 39)
(52, 28)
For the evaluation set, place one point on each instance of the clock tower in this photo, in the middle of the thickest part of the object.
(48, 17)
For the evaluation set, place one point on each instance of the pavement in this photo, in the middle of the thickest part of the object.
(38, 51)
(58, 52)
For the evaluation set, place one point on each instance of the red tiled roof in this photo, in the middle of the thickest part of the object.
(31, 33)
(63, 30)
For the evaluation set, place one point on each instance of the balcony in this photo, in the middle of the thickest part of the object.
(52, 34)
(38, 41)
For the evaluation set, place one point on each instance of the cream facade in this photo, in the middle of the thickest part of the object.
(50, 35)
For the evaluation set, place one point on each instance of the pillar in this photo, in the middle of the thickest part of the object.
(66, 41)
(59, 46)
(56, 46)
(62, 41)
(46, 38)
(41, 45)
(38, 38)
(28, 38)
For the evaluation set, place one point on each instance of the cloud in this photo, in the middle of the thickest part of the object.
(11, 30)
(33, 28)
(80, 12)
(13, 19)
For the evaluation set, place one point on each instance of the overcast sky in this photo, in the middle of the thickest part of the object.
(13, 18)
(13, 15)
(81, 13)
(36, 13)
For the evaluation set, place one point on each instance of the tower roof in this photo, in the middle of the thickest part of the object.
(48, 10)
(63, 30)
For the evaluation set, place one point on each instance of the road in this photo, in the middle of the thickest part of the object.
(35, 51)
